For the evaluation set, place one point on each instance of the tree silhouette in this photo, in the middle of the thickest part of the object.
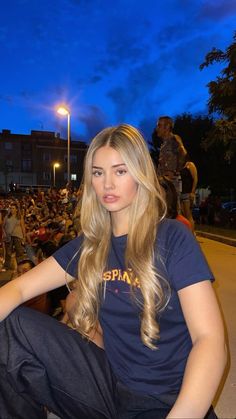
(214, 171)
(222, 100)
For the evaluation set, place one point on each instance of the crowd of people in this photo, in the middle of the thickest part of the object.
(33, 226)
(144, 320)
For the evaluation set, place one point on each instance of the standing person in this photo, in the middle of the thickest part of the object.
(14, 235)
(189, 180)
(172, 151)
(144, 279)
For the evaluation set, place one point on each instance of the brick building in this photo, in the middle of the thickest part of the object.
(28, 160)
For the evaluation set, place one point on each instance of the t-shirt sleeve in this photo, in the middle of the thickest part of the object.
(68, 256)
(185, 263)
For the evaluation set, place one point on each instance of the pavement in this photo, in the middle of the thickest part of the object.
(221, 259)
(223, 239)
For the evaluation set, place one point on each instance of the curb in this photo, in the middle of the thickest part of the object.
(216, 237)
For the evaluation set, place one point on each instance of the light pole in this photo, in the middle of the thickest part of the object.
(62, 110)
(55, 166)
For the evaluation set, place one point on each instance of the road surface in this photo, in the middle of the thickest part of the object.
(222, 260)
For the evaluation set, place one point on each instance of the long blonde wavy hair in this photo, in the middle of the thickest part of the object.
(146, 210)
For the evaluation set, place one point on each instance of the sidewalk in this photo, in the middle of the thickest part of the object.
(223, 239)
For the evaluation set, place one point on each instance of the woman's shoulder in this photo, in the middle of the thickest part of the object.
(171, 234)
(181, 254)
(169, 226)
(68, 255)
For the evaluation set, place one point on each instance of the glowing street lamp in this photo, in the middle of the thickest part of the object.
(55, 166)
(62, 110)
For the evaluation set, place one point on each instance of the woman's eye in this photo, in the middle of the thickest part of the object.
(121, 172)
(96, 173)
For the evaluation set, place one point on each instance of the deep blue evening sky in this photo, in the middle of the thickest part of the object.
(110, 61)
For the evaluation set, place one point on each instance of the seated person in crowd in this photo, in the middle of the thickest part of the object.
(172, 201)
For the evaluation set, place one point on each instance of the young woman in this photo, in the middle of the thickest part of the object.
(14, 234)
(143, 285)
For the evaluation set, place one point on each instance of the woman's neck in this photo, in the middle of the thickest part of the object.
(120, 224)
(119, 232)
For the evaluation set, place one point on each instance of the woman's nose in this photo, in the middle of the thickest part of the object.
(108, 182)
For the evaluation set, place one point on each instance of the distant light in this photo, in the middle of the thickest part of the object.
(56, 165)
(63, 111)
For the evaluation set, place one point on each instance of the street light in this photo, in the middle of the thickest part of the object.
(62, 110)
(55, 166)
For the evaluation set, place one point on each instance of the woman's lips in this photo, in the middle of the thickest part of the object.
(110, 199)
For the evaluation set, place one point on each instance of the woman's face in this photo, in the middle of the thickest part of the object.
(113, 184)
(13, 209)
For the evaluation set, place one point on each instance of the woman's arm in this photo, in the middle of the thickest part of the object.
(44, 277)
(207, 359)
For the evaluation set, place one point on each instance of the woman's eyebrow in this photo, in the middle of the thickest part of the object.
(114, 165)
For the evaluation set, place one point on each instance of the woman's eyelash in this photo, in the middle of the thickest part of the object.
(121, 171)
(96, 172)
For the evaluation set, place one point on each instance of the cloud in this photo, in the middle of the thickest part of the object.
(124, 50)
(137, 93)
(7, 99)
(131, 60)
(217, 10)
(94, 120)
(94, 79)
(147, 125)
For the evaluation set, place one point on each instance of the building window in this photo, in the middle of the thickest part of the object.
(8, 146)
(73, 158)
(26, 165)
(46, 175)
(73, 176)
(26, 149)
(8, 166)
(46, 156)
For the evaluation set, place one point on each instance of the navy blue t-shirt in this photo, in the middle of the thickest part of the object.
(179, 259)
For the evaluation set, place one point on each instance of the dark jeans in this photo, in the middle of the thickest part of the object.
(45, 363)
